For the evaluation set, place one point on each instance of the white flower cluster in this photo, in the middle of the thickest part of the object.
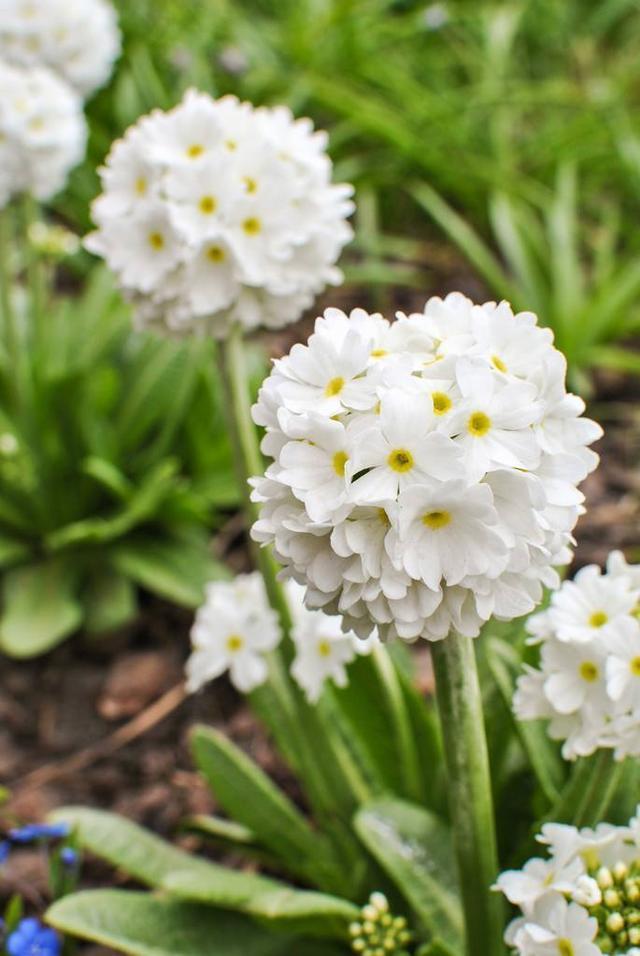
(77, 39)
(42, 132)
(588, 683)
(236, 628)
(217, 212)
(425, 471)
(584, 899)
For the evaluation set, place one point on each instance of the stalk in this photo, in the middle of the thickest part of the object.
(9, 319)
(600, 789)
(470, 798)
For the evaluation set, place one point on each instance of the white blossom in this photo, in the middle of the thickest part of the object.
(588, 681)
(424, 471)
(42, 132)
(77, 39)
(216, 212)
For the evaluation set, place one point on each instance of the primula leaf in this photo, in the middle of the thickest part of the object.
(247, 794)
(414, 848)
(40, 607)
(109, 601)
(176, 570)
(142, 925)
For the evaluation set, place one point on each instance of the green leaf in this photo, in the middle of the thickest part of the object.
(143, 925)
(156, 863)
(247, 794)
(177, 570)
(40, 607)
(109, 600)
(12, 551)
(414, 847)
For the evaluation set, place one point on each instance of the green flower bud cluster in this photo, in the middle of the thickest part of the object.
(618, 913)
(379, 933)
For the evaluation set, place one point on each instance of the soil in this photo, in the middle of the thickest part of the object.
(105, 724)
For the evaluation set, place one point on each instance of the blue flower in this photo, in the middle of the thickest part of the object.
(5, 850)
(39, 831)
(31, 938)
(68, 856)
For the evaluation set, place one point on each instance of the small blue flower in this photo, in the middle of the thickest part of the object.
(39, 831)
(31, 938)
(5, 850)
(68, 856)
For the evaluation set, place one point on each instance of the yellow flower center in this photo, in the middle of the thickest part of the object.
(384, 517)
(140, 186)
(400, 460)
(565, 948)
(379, 353)
(231, 144)
(252, 226)
(598, 619)
(208, 205)
(498, 363)
(334, 387)
(216, 254)
(478, 424)
(251, 184)
(156, 241)
(340, 460)
(324, 648)
(441, 402)
(589, 671)
(635, 666)
(235, 643)
(195, 150)
(436, 519)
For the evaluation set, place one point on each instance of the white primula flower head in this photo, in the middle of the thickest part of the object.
(42, 132)
(584, 900)
(323, 650)
(218, 213)
(77, 39)
(233, 631)
(588, 681)
(424, 471)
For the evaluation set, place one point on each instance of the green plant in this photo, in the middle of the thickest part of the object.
(113, 461)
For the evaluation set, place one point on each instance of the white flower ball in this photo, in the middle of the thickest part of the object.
(425, 471)
(582, 899)
(42, 132)
(217, 212)
(588, 682)
(77, 39)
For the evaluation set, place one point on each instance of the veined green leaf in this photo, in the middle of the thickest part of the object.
(40, 607)
(177, 570)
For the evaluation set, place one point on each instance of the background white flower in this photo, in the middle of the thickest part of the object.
(588, 681)
(249, 224)
(77, 39)
(583, 899)
(442, 487)
(42, 132)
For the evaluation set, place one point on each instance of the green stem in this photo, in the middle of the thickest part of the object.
(470, 798)
(35, 271)
(599, 789)
(9, 319)
(403, 733)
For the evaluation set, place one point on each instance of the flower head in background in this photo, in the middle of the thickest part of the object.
(588, 681)
(425, 471)
(583, 899)
(31, 938)
(42, 132)
(77, 39)
(217, 212)
(236, 628)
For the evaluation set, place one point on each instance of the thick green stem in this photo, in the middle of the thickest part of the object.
(470, 798)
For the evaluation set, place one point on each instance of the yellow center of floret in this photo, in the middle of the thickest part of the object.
(334, 387)
(384, 517)
(436, 519)
(231, 144)
(140, 186)
(498, 363)
(565, 948)
(400, 460)
(598, 619)
(635, 666)
(195, 150)
(251, 184)
(379, 353)
(441, 402)
(478, 424)
(324, 648)
(252, 226)
(156, 241)
(208, 205)
(235, 643)
(340, 460)
(589, 672)
(216, 254)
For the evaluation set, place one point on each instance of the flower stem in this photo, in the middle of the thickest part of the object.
(599, 790)
(470, 798)
(10, 336)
